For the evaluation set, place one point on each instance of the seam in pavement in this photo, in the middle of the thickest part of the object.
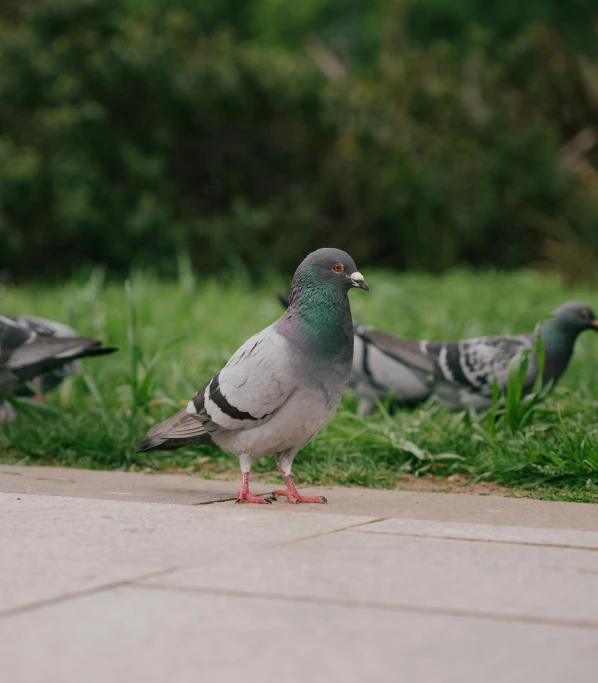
(476, 540)
(373, 604)
(227, 500)
(65, 597)
(326, 533)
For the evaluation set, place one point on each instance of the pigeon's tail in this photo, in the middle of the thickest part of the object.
(96, 351)
(43, 354)
(182, 429)
(405, 351)
(156, 444)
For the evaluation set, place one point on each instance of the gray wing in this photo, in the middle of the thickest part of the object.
(49, 328)
(25, 355)
(255, 383)
(474, 363)
(44, 327)
(42, 354)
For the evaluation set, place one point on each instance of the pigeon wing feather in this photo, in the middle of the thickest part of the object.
(252, 386)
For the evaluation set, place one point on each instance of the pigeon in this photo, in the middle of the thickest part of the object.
(281, 386)
(461, 373)
(40, 351)
(376, 375)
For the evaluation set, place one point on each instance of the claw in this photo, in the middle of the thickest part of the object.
(293, 496)
(250, 498)
(245, 496)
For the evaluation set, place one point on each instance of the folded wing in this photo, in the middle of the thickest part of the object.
(252, 386)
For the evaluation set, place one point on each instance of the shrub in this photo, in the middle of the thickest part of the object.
(125, 136)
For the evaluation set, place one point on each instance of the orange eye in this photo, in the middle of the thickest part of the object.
(583, 313)
(338, 267)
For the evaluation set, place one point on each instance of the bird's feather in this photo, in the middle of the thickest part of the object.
(30, 349)
(476, 362)
(255, 382)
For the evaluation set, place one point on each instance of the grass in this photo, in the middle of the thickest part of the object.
(174, 336)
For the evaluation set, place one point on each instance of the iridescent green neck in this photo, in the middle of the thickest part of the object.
(558, 339)
(319, 316)
(557, 336)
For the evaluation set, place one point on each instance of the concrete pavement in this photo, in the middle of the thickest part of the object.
(112, 576)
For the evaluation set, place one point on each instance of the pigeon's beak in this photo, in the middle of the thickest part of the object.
(595, 324)
(358, 281)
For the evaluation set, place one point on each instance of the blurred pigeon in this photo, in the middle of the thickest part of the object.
(461, 374)
(283, 385)
(40, 351)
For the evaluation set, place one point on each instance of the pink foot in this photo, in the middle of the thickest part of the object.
(38, 398)
(293, 496)
(245, 496)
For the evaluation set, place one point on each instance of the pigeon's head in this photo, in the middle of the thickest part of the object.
(574, 317)
(330, 267)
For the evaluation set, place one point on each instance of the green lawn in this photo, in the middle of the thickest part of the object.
(95, 420)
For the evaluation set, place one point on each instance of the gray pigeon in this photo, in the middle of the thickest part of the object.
(283, 385)
(40, 351)
(460, 374)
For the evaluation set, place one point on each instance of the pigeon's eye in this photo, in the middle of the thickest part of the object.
(583, 313)
(338, 267)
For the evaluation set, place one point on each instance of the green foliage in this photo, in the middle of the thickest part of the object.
(174, 336)
(130, 131)
(354, 29)
(429, 20)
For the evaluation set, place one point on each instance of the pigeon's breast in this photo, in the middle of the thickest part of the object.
(292, 426)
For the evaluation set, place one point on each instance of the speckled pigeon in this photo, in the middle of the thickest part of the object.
(461, 374)
(40, 351)
(283, 385)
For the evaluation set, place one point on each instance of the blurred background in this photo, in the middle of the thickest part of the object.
(417, 134)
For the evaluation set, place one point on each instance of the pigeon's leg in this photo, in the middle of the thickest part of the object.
(284, 461)
(38, 397)
(293, 496)
(244, 495)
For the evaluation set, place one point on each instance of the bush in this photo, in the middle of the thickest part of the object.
(124, 137)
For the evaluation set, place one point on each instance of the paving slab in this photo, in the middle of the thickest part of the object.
(132, 635)
(191, 490)
(514, 581)
(58, 545)
(122, 577)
